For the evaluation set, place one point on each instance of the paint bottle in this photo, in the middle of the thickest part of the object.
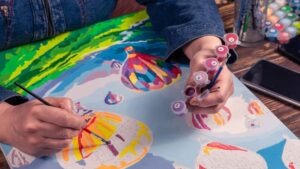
(201, 78)
(292, 16)
(179, 108)
(286, 22)
(296, 24)
(279, 27)
(221, 52)
(211, 65)
(280, 14)
(283, 37)
(272, 34)
(292, 31)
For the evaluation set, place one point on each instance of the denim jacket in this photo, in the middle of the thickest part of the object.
(178, 21)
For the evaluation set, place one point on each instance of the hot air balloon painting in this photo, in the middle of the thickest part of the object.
(142, 72)
(109, 141)
(112, 98)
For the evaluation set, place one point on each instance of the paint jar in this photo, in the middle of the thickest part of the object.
(249, 22)
(179, 108)
(272, 34)
(286, 22)
(280, 14)
(292, 16)
(279, 27)
(283, 37)
(297, 26)
(292, 31)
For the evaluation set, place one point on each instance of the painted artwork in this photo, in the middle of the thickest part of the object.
(116, 74)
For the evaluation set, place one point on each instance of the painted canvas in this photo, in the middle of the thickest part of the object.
(116, 75)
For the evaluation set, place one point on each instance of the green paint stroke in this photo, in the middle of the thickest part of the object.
(34, 64)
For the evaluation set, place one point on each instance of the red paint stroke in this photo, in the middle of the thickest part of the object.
(201, 167)
(195, 123)
(291, 165)
(204, 126)
(224, 146)
(227, 110)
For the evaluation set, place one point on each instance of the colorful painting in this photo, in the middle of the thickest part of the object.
(116, 74)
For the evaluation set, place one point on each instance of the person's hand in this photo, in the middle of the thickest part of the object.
(198, 51)
(37, 129)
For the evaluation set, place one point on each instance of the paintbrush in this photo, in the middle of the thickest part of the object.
(108, 143)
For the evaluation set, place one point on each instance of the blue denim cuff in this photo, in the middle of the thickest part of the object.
(12, 97)
(177, 37)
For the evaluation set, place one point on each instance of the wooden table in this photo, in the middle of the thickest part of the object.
(288, 114)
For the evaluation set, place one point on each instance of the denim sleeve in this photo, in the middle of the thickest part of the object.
(180, 21)
(11, 97)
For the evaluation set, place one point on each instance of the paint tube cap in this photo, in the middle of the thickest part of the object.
(211, 64)
(292, 31)
(201, 78)
(279, 27)
(283, 37)
(280, 14)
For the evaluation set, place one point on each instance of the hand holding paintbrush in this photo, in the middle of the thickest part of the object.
(40, 127)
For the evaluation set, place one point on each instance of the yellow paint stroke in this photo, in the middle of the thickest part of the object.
(138, 67)
(254, 106)
(139, 17)
(76, 148)
(206, 150)
(41, 51)
(155, 68)
(133, 78)
(144, 131)
(124, 164)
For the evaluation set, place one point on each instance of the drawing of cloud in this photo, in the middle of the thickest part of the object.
(291, 154)
(215, 155)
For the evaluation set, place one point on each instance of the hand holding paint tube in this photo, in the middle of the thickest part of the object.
(210, 83)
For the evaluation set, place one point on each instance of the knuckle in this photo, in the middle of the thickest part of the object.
(30, 128)
(64, 143)
(65, 134)
(66, 101)
(33, 141)
(35, 110)
(65, 118)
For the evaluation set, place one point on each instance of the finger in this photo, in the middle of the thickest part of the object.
(55, 144)
(45, 152)
(60, 117)
(49, 130)
(225, 85)
(64, 103)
